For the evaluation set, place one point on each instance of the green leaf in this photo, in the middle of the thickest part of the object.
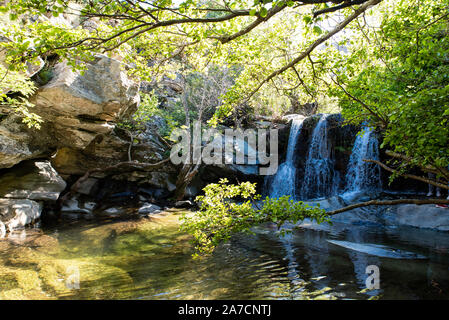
(317, 30)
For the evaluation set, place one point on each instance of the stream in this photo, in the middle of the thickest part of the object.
(150, 259)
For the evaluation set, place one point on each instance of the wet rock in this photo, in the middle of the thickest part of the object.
(184, 204)
(32, 180)
(149, 208)
(153, 193)
(75, 206)
(88, 187)
(114, 212)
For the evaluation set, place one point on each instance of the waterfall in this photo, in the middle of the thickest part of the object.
(284, 181)
(363, 176)
(320, 178)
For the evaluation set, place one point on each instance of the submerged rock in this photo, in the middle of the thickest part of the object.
(378, 250)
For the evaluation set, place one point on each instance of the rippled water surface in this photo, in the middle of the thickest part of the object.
(151, 259)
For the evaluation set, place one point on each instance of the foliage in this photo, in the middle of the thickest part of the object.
(396, 77)
(220, 215)
(146, 112)
(22, 87)
(159, 38)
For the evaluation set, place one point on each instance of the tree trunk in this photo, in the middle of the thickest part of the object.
(188, 172)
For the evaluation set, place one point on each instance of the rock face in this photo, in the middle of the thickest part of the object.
(23, 189)
(80, 107)
(76, 109)
(32, 180)
(15, 144)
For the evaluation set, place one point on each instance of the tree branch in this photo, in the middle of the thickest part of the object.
(258, 21)
(315, 44)
(430, 169)
(388, 203)
(336, 8)
(410, 176)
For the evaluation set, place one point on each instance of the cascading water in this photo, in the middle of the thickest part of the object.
(320, 178)
(284, 181)
(364, 176)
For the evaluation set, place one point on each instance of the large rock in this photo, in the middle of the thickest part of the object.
(33, 181)
(17, 213)
(82, 106)
(15, 145)
(423, 216)
(76, 110)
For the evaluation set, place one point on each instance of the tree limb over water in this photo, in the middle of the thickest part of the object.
(388, 203)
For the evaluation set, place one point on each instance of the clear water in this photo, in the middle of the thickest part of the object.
(151, 259)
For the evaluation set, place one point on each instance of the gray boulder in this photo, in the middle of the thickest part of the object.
(149, 208)
(80, 107)
(32, 180)
(422, 216)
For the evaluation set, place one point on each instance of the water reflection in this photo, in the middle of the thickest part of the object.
(152, 260)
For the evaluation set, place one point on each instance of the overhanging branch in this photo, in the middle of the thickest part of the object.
(388, 203)
(357, 12)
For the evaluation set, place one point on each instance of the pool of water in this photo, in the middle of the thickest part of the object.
(151, 259)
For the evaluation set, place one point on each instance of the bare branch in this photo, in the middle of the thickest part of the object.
(410, 176)
(388, 203)
(339, 7)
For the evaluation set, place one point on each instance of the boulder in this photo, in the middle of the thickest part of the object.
(15, 146)
(80, 107)
(33, 180)
(423, 216)
(184, 204)
(149, 208)
(17, 213)
(76, 109)
(75, 206)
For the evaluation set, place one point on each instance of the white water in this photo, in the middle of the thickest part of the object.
(284, 181)
(320, 178)
(363, 176)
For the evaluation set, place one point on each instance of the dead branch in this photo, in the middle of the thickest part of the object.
(388, 203)
(410, 176)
